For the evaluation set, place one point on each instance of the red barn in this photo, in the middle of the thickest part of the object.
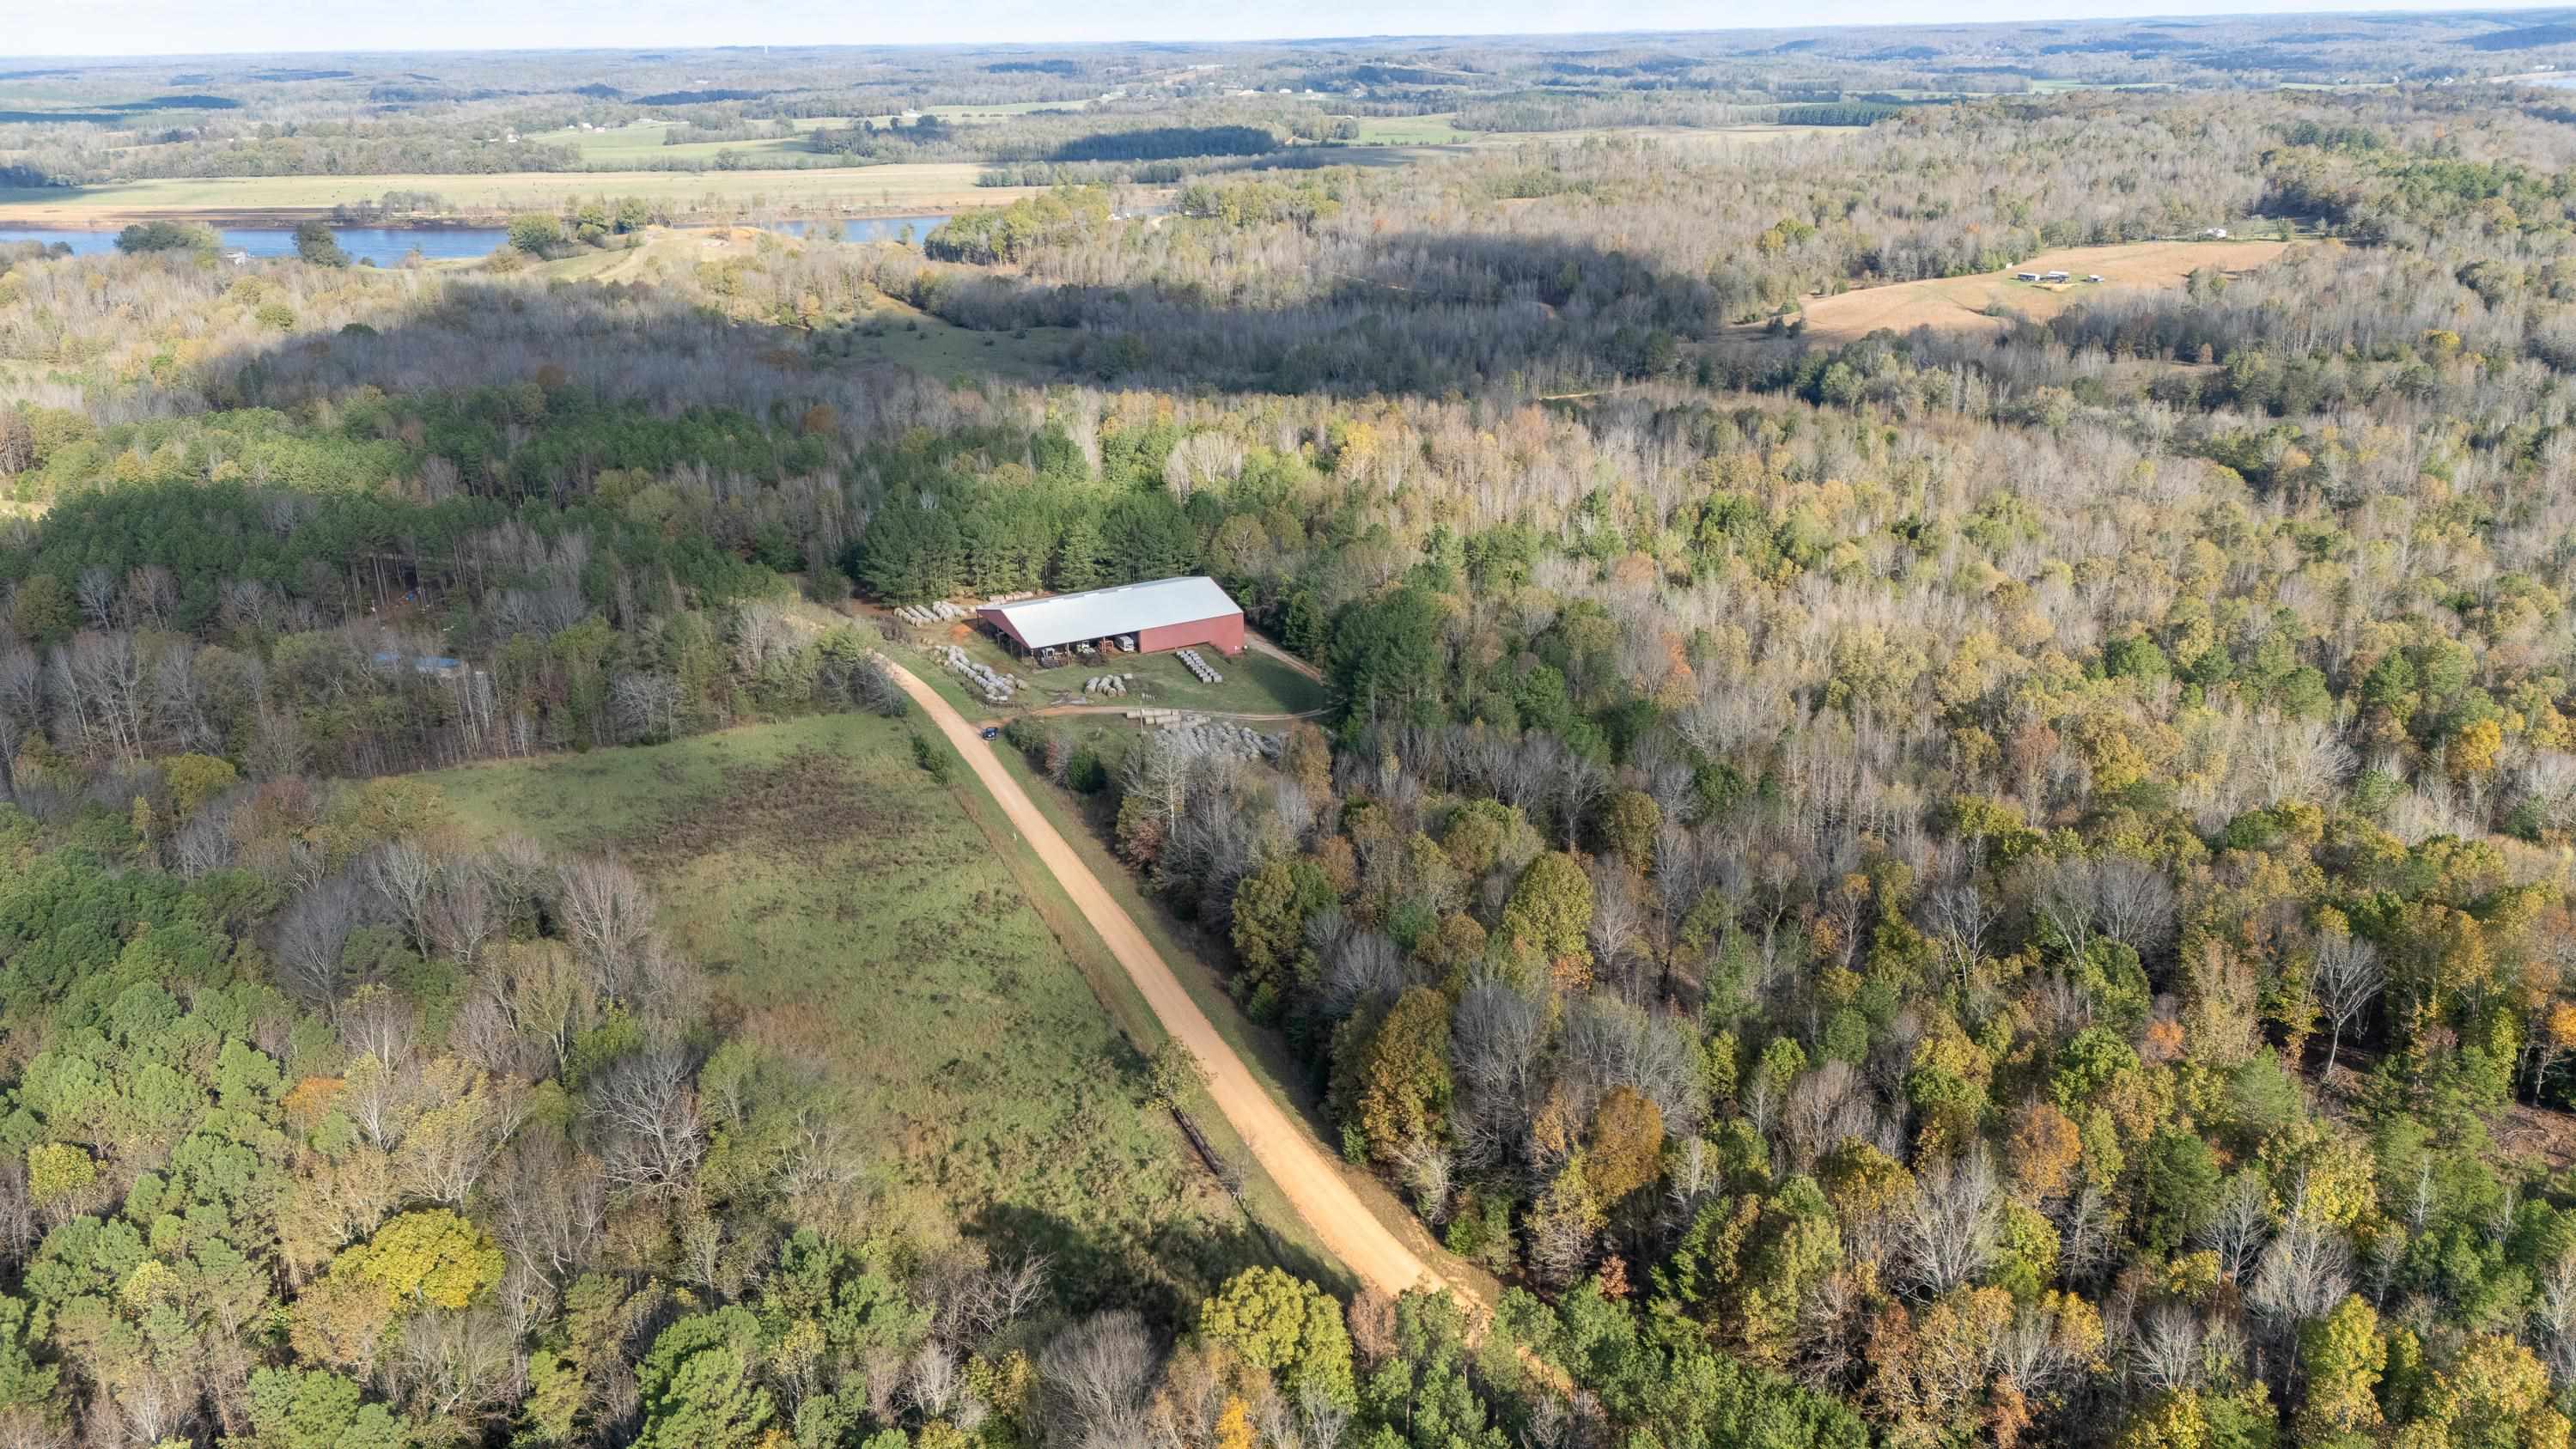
(1163, 614)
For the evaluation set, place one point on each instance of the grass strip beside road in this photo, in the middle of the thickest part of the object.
(1323, 1193)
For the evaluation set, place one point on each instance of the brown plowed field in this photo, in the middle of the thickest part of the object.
(1961, 302)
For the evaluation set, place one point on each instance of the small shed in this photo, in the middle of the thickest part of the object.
(1161, 614)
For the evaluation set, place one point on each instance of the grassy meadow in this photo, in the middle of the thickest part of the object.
(853, 913)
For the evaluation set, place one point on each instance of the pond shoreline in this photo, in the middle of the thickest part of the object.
(451, 242)
(49, 217)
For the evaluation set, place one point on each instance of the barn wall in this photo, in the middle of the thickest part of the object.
(1223, 633)
(1001, 624)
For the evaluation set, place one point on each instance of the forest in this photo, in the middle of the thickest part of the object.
(2006, 882)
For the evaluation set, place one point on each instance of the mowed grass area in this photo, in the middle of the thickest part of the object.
(1964, 303)
(852, 913)
(1253, 683)
(927, 186)
(1428, 130)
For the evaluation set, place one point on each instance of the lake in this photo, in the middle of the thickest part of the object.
(386, 246)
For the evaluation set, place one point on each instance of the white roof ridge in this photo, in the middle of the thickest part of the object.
(1114, 609)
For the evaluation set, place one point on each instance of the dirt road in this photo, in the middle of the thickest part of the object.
(1312, 1181)
(1263, 646)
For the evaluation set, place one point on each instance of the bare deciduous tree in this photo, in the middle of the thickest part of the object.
(403, 875)
(548, 1204)
(2240, 1227)
(2345, 979)
(1497, 1039)
(103, 682)
(461, 918)
(646, 1112)
(96, 591)
(312, 934)
(1949, 1230)
(933, 1381)
(1096, 1382)
(2303, 1273)
(645, 708)
(608, 915)
(453, 1366)
(1826, 1106)
(1618, 929)
(2164, 1350)
(2553, 1319)
(1961, 917)
(971, 1298)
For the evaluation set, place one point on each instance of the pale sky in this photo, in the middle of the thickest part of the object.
(193, 27)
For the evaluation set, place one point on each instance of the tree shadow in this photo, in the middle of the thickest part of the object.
(1162, 1273)
(1425, 313)
(1432, 313)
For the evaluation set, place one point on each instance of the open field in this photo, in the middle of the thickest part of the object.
(641, 144)
(898, 332)
(1429, 130)
(707, 195)
(854, 190)
(853, 913)
(1961, 303)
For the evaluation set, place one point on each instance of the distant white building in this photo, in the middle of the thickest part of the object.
(2214, 233)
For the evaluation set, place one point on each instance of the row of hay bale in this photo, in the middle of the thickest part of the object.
(1202, 735)
(1106, 684)
(997, 686)
(1205, 671)
(1011, 598)
(937, 611)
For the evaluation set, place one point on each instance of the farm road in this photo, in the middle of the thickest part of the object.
(1311, 1180)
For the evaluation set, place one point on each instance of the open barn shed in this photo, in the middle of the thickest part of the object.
(1162, 614)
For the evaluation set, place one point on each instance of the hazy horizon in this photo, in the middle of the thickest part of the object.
(99, 29)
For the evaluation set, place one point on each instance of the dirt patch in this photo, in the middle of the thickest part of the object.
(2528, 1131)
(1961, 303)
(808, 796)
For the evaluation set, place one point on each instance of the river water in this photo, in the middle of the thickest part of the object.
(386, 246)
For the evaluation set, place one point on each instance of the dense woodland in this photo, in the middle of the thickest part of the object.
(1959, 888)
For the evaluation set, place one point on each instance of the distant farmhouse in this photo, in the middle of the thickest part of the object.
(1137, 618)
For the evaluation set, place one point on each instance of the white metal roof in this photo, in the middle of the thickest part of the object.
(1123, 609)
